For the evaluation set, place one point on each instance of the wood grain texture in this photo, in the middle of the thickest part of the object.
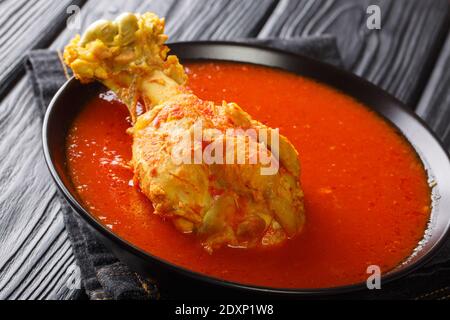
(185, 19)
(434, 106)
(35, 252)
(398, 57)
(26, 25)
(212, 19)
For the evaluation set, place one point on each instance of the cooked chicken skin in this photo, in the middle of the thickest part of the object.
(222, 202)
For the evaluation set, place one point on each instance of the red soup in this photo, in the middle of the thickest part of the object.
(367, 200)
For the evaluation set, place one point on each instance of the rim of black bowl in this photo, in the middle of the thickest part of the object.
(285, 60)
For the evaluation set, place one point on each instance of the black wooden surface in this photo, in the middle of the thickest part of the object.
(397, 58)
(34, 251)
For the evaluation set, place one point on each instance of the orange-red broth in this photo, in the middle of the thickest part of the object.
(366, 194)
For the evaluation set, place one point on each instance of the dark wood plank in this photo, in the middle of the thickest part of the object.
(26, 25)
(104, 9)
(434, 106)
(398, 57)
(36, 254)
(212, 19)
(35, 251)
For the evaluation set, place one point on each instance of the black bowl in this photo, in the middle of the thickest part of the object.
(181, 282)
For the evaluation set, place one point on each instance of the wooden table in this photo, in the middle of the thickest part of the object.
(409, 57)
